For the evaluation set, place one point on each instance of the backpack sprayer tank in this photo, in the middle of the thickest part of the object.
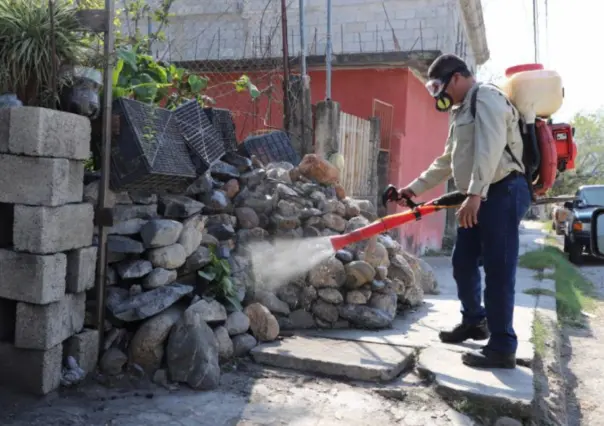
(537, 93)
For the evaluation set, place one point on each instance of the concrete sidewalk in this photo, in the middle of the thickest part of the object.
(381, 355)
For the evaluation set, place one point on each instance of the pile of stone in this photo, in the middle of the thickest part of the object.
(169, 313)
(47, 257)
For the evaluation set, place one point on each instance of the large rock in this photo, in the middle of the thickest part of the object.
(147, 346)
(197, 260)
(247, 217)
(237, 323)
(400, 269)
(113, 361)
(144, 305)
(329, 273)
(130, 269)
(127, 227)
(358, 273)
(364, 316)
(316, 168)
(243, 344)
(271, 302)
(225, 344)
(385, 302)
(331, 295)
(190, 238)
(178, 206)
(169, 257)
(427, 279)
(376, 256)
(263, 324)
(211, 312)
(159, 277)
(299, 320)
(160, 232)
(325, 311)
(192, 352)
(122, 244)
(334, 222)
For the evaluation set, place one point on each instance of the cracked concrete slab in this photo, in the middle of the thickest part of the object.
(337, 358)
(494, 386)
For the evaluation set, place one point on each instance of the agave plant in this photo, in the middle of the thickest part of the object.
(26, 58)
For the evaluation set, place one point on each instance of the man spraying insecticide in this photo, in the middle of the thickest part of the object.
(483, 153)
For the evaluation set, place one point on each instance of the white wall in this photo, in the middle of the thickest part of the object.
(233, 29)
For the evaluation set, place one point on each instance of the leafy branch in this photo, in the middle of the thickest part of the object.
(218, 275)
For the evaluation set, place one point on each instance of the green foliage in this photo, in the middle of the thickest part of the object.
(138, 76)
(25, 55)
(218, 275)
(589, 164)
(574, 293)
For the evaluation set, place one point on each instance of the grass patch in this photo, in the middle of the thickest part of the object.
(540, 335)
(573, 291)
(539, 292)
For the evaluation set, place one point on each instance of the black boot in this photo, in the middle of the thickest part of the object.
(488, 358)
(463, 332)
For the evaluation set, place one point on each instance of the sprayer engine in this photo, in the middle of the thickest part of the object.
(566, 149)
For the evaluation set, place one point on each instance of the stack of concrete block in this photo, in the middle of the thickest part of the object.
(47, 260)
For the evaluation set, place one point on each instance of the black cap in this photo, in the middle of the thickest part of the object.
(447, 64)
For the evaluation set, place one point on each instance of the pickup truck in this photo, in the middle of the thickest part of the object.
(577, 233)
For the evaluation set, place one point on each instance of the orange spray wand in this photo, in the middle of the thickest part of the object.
(417, 211)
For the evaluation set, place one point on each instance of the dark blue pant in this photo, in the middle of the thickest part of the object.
(494, 244)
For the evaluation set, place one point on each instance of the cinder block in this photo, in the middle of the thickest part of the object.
(44, 326)
(8, 317)
(40, 181)
(42, 132)
(84, 347)
(32, 278)
(37, 372)
(43, 230)
(81, 267)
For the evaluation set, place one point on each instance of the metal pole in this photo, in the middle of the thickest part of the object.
(303, 82)
(302, 40)
(286, 106)
(328, 54)
(101, 269)
(53, 51)
(535, 30)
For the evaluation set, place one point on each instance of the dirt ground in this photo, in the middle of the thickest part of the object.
(583, 355)
(251, 395)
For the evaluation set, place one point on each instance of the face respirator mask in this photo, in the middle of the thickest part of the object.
(437, 88)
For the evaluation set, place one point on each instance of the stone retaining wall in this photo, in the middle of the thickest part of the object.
(47, 261)
(185, 291)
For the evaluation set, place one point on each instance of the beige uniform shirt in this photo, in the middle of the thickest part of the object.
(474, 152)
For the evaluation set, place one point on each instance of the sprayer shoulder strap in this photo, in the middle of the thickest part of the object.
(473, 101)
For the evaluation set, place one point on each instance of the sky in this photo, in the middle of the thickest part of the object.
(565, 47)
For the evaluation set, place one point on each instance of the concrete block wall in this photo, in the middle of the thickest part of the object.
(234, 29)
(47, 259)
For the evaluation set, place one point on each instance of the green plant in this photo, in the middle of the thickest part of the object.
(138, 76)
(218, 275)
(26, 60)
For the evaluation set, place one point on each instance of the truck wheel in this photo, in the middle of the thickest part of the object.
(566, 244)
(575, 253)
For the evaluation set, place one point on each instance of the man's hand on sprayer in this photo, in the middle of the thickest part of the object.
(468, 212)
(405, 194)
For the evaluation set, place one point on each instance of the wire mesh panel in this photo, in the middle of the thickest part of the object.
(201, 136)
(222, 119)
(270, 147)
(147, 150)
